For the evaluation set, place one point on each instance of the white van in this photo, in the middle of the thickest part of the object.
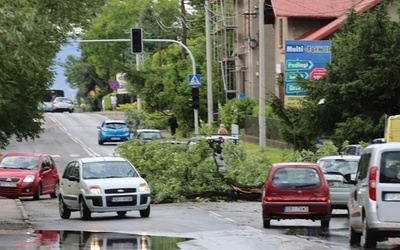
(375, 200)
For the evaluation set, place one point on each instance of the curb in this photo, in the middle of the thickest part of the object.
(25, 216)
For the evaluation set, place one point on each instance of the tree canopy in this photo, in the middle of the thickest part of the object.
(31, 33)
(360, 88)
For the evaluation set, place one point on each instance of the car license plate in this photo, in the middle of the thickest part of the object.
(115, 138)
(8, 184)
(392, 196)
(121, 199)
(291, 209)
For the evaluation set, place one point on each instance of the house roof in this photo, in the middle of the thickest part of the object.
(322, 10)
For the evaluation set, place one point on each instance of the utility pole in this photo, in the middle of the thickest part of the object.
(210, 105)
(261, 114)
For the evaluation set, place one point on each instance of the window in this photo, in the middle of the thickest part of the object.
(363, 166)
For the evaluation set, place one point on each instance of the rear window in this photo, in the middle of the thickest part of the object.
(389, 167)
(296, 178)
(149, 136)
(116, 125)
(339, 166)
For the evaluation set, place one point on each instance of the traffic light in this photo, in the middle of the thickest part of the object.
(195, 98)
(136, 40)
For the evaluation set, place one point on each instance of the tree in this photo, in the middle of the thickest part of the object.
(362, 81)
(32, 33)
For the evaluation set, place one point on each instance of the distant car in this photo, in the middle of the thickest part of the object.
(339, 171)
(148, 134)
(295, 191)
(62, 104)
(353, 149)
(102, 184)
(113, 131)
(28, 174)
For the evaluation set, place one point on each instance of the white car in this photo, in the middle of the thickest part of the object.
(102, 184)
(62, 104)
(374, 202)
(339, 171)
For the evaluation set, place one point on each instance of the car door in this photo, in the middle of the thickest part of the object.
(360, 192)
(69, 188)
(46, 174)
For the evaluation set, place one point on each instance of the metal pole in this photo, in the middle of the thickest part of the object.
(261, 115)
(210, 105)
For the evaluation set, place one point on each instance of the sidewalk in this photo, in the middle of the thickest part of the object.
(14, 218)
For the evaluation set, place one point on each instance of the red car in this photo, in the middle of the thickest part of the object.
(296, 191)
(28, 174)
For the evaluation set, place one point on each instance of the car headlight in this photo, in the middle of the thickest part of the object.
(29, 178)
(95, 190)
(143, 187)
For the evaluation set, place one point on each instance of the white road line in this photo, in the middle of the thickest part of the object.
(90, 151)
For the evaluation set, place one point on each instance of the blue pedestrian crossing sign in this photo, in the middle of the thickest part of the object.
(195, 80)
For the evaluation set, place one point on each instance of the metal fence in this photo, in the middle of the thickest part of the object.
(273, 128)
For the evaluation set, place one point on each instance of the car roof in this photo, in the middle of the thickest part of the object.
(147, 130)
(114, 121)
(215, 137)
(24, 154)
(97, 159)
(386, 145)
(295, 164)
(344, 157)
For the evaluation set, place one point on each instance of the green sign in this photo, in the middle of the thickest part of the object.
(298, 64)
(291, 76)
(293, 88)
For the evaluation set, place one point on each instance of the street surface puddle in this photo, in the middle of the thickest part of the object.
(55, 239)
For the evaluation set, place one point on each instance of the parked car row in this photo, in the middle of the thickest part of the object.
(88, 185)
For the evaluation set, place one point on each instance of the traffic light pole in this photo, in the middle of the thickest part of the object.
(196, 111)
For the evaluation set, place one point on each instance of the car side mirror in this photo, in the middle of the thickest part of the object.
(143, 175)
(260, 184)
(98, 127)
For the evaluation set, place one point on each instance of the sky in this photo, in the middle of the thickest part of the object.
(60, 80)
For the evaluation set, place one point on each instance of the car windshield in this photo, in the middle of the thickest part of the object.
(116, 125)
(20, 162)
(108, 169)
(295, 178)
(341, 166)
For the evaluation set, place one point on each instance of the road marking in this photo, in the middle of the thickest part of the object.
(90, 151)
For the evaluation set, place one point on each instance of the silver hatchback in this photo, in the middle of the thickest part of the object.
(374, 202)
(62, 104)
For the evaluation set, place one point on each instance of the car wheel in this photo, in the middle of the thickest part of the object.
(38, 192)
(325, 221)
(56, 191)
(146, 212)
(65, 213)
(355, 237)
(368, 238)
(100, 142)
(266, 223)
(121, 213)
(84, 210)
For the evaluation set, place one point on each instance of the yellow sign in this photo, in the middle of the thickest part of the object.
(292, 101)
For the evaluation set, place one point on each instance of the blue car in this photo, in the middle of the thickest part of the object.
(113, 131)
